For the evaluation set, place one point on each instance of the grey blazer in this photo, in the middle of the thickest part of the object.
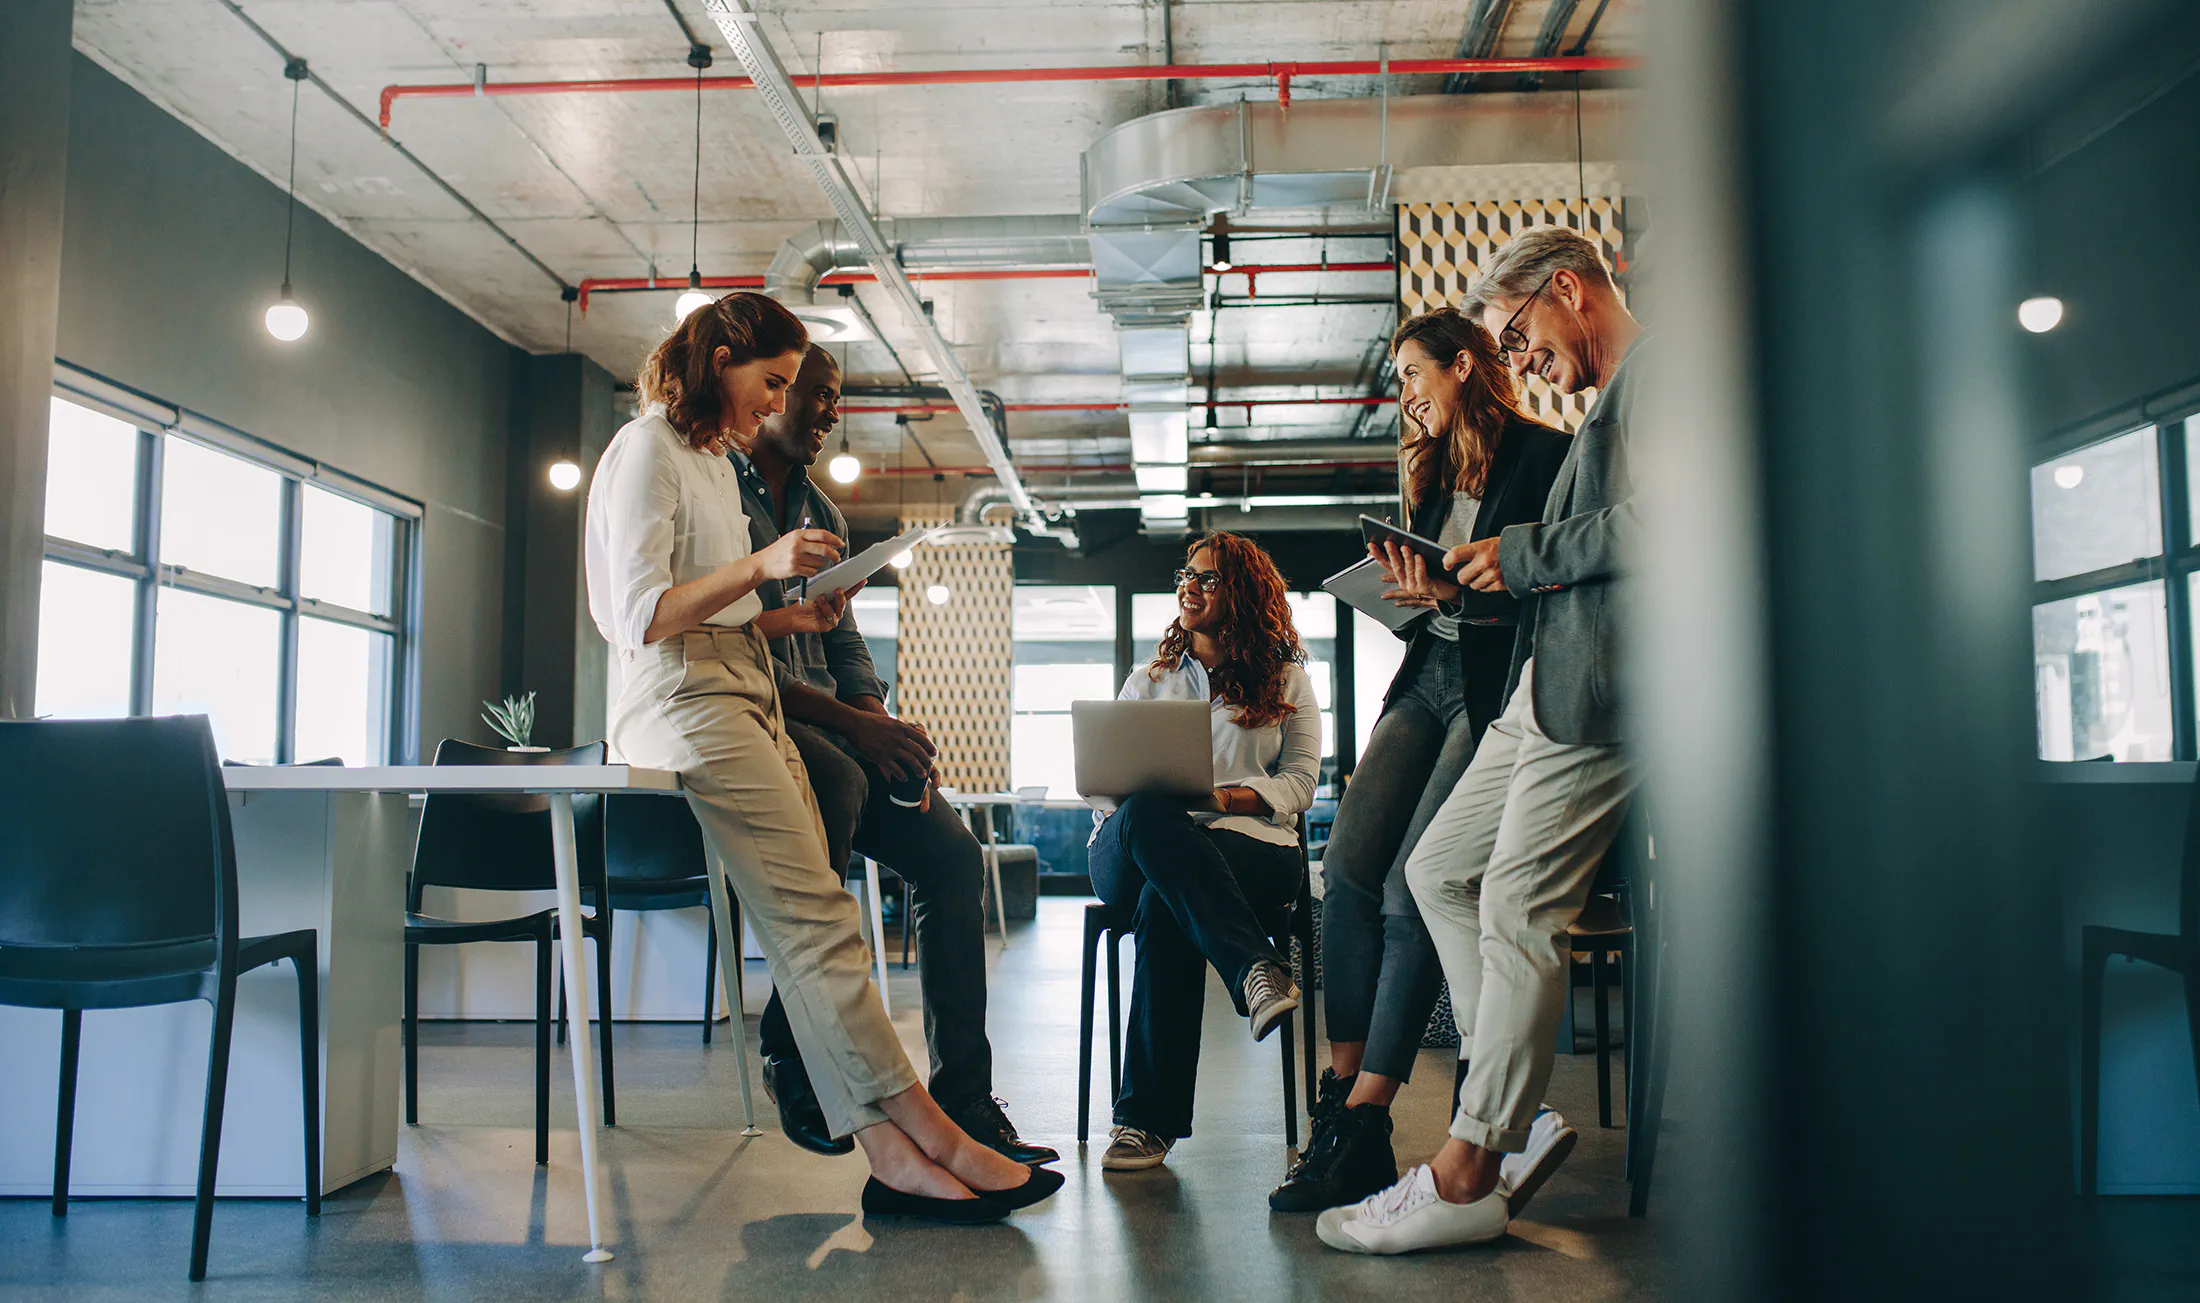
(1566, 569)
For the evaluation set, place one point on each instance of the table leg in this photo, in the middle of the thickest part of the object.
(993, 871)
(729, 945)
(578, 994)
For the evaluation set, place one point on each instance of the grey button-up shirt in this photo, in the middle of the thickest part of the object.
(835, 661)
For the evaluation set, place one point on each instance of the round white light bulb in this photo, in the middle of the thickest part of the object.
(2069, 477)
(689, 301)
(286, 321)
(937, 594)
(2041, 314)
(844, 468)
(564, 476)
(901, 560)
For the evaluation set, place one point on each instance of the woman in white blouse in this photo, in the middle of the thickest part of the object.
(1207, 885)
(672, 586)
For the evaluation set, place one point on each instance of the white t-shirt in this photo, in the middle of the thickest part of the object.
(659, 514)
(1281, 761)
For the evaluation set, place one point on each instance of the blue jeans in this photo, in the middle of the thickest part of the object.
(1198, 897)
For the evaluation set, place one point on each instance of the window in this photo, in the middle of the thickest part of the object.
(1314, 614)
(1064, 651)
(2113, 596)
(183, 577)
(1376, 655)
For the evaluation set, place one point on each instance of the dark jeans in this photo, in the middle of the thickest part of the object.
(1379, 965)
(945, 869)
(1198, 896)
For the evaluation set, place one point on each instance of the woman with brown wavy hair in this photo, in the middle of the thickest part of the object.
(672, 586)
(1205, 885)
(1471, 463)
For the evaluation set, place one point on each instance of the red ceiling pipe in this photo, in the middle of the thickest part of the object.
(1061, 468)
(609, 284)
(1247, 403)
(1280, 72)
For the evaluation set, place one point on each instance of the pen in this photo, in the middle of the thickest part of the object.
(805, 578)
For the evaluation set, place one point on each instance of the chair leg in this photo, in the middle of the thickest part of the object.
(603, 1015)
(309, 1071)
(878, 929)
(710, 972)
(1290, 1088)
(64, 1111)
(1093, 933)
(908, 929)
(543, 947)
(1115, 1020)
(412, 1034)
(557, 980)
(1603, 1022)
(2092, 965)
(210, 1129)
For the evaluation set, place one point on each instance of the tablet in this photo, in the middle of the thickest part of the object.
(1382, 531)
(853, 570)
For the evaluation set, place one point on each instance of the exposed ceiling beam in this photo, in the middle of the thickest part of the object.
(1485, 24)
(1555, 21)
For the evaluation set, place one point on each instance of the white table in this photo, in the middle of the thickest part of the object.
(559, 783)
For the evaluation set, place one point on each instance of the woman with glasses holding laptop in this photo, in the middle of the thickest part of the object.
(1206, 886)
(1471, 463)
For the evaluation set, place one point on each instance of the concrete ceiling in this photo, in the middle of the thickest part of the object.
(601, 185)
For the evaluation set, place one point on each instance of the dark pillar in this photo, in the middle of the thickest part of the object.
(34, 143)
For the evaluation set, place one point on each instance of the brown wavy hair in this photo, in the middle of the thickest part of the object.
(1259, 641)
(679, 373)
(1460, 457)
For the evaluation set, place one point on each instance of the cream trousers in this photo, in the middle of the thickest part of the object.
(1499, 873)
(703, 704)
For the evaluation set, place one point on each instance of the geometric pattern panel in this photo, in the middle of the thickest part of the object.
(952, 660)
(1442, 246)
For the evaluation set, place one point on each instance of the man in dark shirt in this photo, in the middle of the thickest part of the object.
(836, 713)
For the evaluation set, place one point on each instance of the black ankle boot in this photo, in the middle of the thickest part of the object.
(1347, 1159)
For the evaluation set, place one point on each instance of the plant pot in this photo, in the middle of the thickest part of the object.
(530, 750)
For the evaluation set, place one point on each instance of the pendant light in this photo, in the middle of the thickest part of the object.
(844, 467)
(286, 320)
(693, 296)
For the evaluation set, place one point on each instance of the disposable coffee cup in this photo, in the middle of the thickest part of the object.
(908, 793)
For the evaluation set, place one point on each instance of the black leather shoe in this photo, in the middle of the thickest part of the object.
(800, 1118)
(883, 1200)
(982, 1118)
(1344, 1162)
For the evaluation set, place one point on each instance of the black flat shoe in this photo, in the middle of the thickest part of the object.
(1043, 1183)
(984, 1120)
(883, 1200)
(800, 1116)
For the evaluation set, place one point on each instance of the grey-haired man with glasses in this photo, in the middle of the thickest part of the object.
(1507, 863)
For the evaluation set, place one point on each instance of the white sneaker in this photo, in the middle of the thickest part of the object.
(1410, 1216)
(1520, 1175)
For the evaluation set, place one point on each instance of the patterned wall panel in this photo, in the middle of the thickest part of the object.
(1441, 246)
(953, 660)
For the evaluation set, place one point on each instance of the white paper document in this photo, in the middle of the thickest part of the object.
(853, 570)
(1361, 587)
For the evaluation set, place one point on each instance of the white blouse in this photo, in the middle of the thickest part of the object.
(659, 514)
(1281, 761)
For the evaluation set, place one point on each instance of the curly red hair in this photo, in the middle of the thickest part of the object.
(1259, 641)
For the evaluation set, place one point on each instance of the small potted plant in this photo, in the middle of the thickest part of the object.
(514, 721)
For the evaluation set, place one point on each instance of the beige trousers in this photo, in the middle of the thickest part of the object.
(1502, 869)
(703, 704)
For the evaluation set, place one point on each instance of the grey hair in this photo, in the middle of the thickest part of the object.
(1528, 259)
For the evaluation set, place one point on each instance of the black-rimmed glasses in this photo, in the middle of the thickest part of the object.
(1510, 340)
(1207, 580)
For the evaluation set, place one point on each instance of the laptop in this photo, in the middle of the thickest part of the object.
(1125, 747)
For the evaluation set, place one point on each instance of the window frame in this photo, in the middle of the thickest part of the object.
(154, 423)
(2179, 558)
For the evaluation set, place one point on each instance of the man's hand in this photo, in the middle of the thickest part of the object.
(1476, 566)
(872, 705)
(898, 749)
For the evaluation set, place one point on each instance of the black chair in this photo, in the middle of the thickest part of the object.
(2179, 952)
(1603, 930)
(654, 859)
(1106, 923)
(502, 843)
(98, 912)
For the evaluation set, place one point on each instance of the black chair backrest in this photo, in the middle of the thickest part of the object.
(117, 834)
(502, 843)
(2188, 887)
(652, 838)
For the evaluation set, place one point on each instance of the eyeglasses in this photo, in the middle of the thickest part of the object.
(1208, 580)
(1510, 340)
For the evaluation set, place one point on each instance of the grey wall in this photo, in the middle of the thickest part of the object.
(171, 252)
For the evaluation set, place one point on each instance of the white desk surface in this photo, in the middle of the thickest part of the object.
(449, 778)
(1010, 798)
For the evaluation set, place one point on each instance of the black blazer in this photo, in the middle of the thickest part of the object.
(1527, 464)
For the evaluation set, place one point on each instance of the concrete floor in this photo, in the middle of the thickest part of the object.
(699, 1212)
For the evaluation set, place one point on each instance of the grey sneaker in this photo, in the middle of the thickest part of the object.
(1270, 996)
(1133, 1150)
